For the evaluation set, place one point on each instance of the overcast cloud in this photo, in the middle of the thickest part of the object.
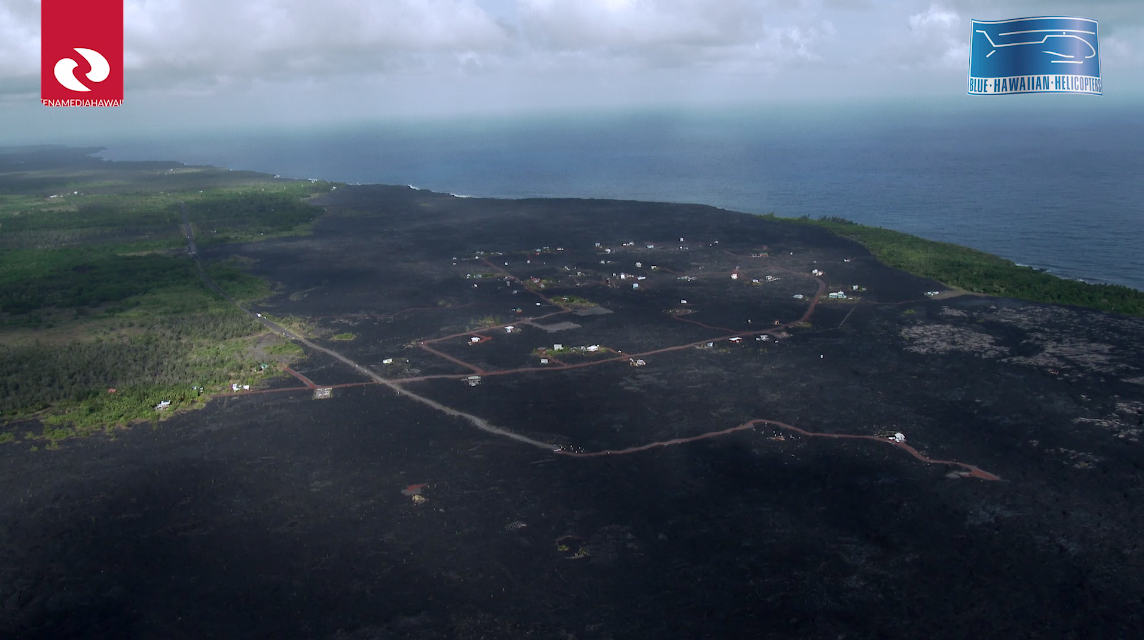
(415, 56)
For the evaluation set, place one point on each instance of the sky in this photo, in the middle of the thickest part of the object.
(219, 64)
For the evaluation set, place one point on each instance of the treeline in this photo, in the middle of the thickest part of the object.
(68, 278)
(226, 216)
(977, 271)
(161, 359)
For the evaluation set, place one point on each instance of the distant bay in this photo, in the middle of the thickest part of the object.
(1058, 188)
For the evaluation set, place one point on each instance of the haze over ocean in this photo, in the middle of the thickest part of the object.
(1061, 189)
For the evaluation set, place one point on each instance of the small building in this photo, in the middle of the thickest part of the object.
(837, 295)
(593, 348)
(474, 339)
(651, 246)
(635, 285)
(898, 437)
(798, 296)
(817, 272)
(557, 347)
(639, 265)
(509, 329)
(853, 287)
(544, 361)
(387, 361)
(736, 339)
(473, 381)
(636, 362)
(734, 276)
(162, 405)
(682, 302)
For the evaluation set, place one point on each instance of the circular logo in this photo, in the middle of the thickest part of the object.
(65, 70)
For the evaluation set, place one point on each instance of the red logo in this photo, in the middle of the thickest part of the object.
(81, 53)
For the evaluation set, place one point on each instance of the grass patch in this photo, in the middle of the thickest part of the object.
(238, 284)
(344, 336)
(487, 322)
(976, 271)
(576, 302)
(285, 348)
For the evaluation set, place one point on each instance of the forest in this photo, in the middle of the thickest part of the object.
(102, 312)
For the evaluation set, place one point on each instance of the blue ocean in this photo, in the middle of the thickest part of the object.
(1058, 188)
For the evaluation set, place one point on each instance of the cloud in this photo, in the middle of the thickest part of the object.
(185, 41)
(932, 39)
(19, 39)
(674, 33)
(572, 51)
(204, 43)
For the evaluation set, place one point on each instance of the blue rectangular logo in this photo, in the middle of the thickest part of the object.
(1034, 55)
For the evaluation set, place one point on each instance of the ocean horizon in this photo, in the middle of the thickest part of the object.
(1058, 190)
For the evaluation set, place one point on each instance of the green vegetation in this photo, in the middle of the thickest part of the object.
(68, 384)
(285, 349)
(487, 322)
(976, 271)
(576, 302)
(344, 336)
(97, 291)
(84, 277)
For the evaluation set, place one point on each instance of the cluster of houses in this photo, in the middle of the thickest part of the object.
(592, 348)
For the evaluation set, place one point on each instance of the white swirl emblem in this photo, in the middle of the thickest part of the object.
(65, 70)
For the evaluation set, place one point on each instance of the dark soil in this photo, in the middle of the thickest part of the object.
(279, 516)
